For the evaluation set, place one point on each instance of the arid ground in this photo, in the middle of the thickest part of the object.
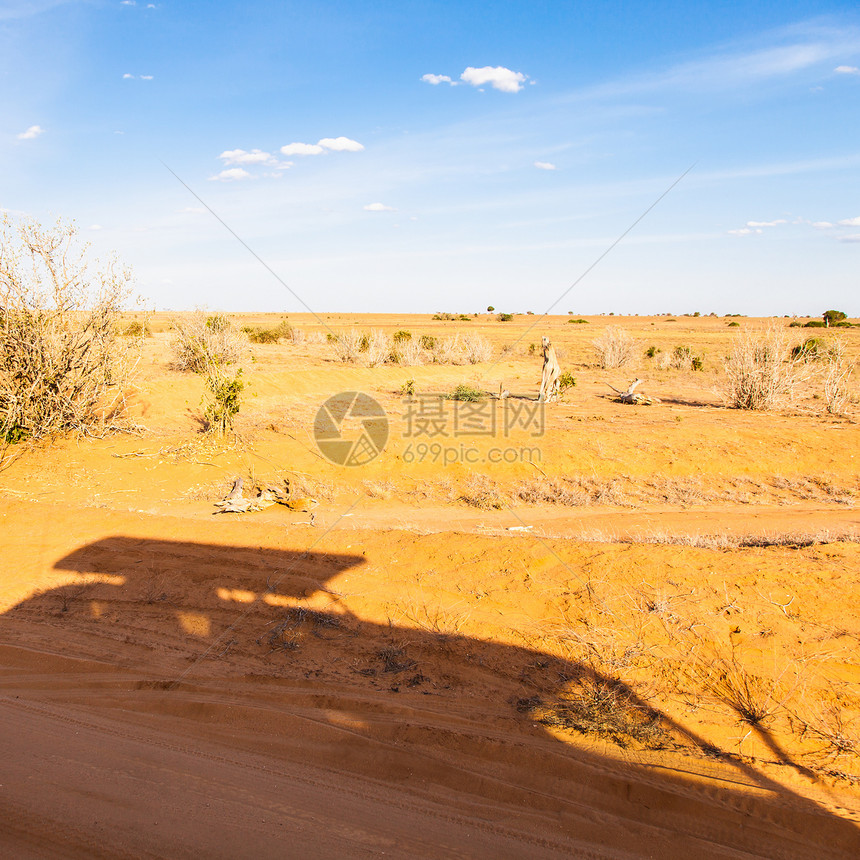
(621, 631)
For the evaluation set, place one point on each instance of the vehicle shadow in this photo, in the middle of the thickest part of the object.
(479, 717)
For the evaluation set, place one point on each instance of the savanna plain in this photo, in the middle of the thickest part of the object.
(594, 629)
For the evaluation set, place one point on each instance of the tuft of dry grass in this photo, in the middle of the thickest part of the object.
(480, 491)
(603, 707)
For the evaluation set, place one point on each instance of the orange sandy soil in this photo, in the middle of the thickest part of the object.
(583, 656)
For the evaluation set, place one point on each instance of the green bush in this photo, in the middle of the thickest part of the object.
(224, 399)
(428, 342)
(832, 317)
(651, 351)
(565, 381)
(815, 324)
(402, 336)
(265, 335)
(505, 317)
(579, 322)
(466, 392)
(734, 324)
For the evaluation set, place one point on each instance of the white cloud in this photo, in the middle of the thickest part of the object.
(340, 144)
(379, 207)
(497, 77)
(127, 77)
(854, 237)
(146, 77)
(765, 223)
(301, 149)
(437, 79)
(241, 156)
(545, 165)
(32, 132)
(128, 3)
(851, 222)
(95, 227)
(744, 231)
(847, 70)
(231, 175)
(822, 225)
(331, 144)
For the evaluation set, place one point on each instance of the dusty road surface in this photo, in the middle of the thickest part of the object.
(641, 644)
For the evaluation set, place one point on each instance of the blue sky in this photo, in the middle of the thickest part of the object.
(423, 156)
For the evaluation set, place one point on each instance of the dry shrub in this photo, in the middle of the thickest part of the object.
(297, 336)
(447, 350)
(378, 349)
(614, 348)
(604, 707)
(760, 372)
(347, 345)
(837, 373)
(476, 348)
(412, 353)
(202, 342)
(62, 366)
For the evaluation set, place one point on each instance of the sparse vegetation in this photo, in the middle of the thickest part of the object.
(758, 376)
(505, 317)
(61, 365)
(466, 392)
(268, 335)
(201, 342)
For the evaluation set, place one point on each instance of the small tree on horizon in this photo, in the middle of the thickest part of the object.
(831, 317)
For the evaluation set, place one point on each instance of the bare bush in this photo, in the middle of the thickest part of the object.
(412, 353)
(347, 345)
(476, 348)
(378, 349)
(204, 341)
(837, 373)
(448, 350)
(760, 372)
(62, 365)
(614, 348)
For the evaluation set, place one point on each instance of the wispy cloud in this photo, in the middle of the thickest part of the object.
(129, 77)
(232, 174)
(854, 237)
(851, 222)
(847, 70)
(31, 133)
(498, 77)
(766, 223)
(545, 165)
(379, 207)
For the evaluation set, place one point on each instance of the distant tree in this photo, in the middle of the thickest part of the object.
(831, 317)
(490, 309)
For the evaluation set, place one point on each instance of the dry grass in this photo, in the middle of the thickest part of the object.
(603, 707)
(481, 491)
